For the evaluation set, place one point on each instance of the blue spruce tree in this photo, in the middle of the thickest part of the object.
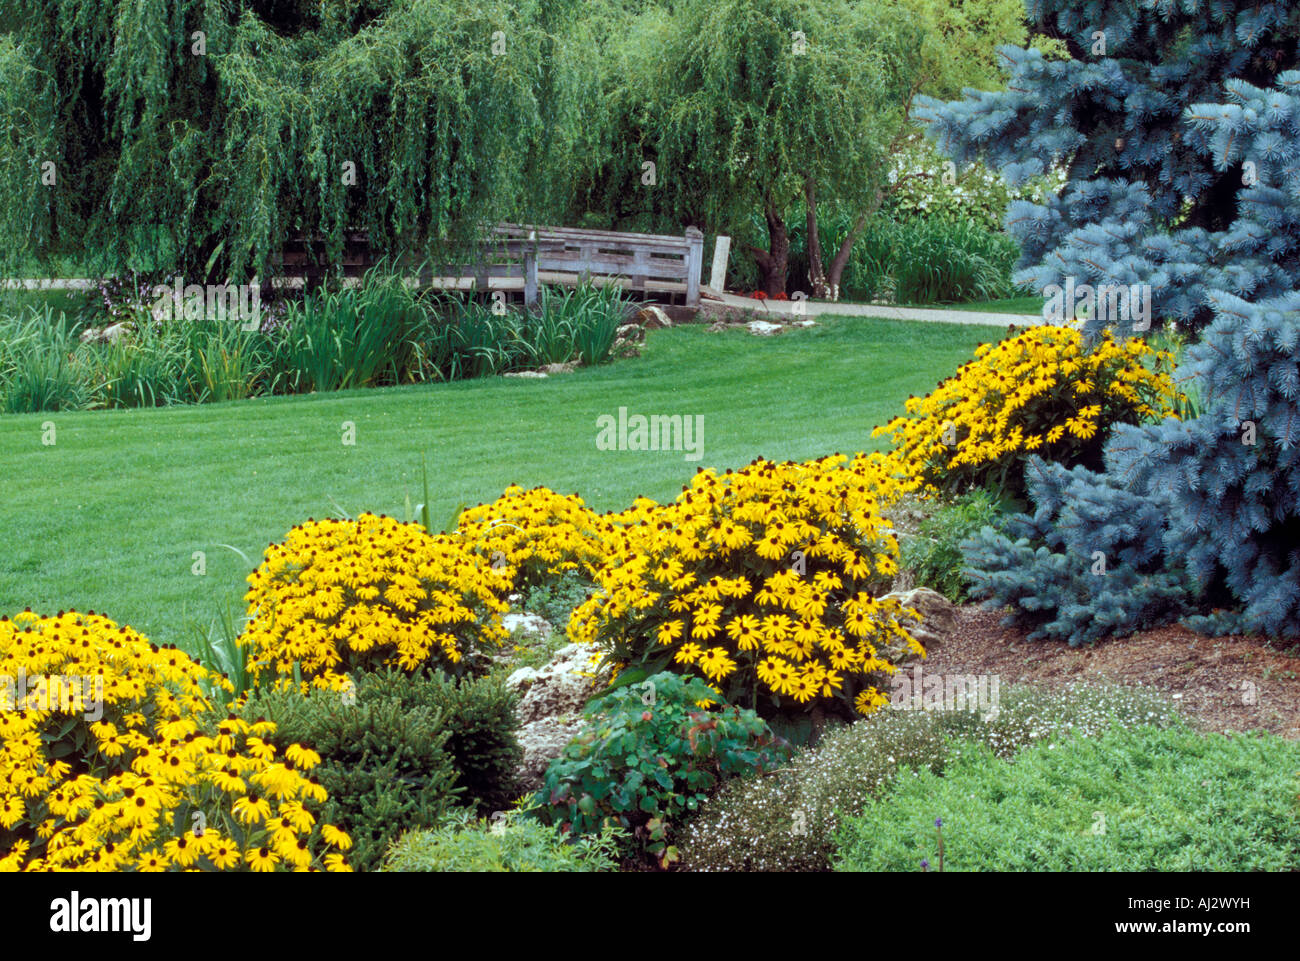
(1179, 125)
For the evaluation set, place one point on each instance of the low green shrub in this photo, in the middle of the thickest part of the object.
(481, 724)
(38, 366)
(507, 843)
(1143, 799)
(941, 260)
(556, 599)
(784, 821)
(649, 755)
(932, 554)
(377, 333)
(387, 768)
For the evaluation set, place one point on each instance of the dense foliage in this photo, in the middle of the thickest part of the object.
(1087, 564)
(112, 759)
(1137, 799)
(385, 764)
(379, 333)
(480, 715)
(198, 136)
(651, 753)
(932, 553)
(1042, 393)
(345, 596)
(766, 581)
(786, 820)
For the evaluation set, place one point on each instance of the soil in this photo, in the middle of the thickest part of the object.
(1220, 683)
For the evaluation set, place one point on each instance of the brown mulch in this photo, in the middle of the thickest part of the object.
(1219, 683)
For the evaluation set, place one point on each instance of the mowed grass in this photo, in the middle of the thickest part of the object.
(110, 517)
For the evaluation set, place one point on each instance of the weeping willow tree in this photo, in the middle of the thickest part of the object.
(747, 106)
(198, 135)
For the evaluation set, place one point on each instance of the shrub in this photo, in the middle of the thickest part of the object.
(1087, 564)
(1041, 392)
(976, 192)
(1231, 477)
(139, 775)
(648, 755)
(557, 599)
(933, 555)
(1145, 799)
(784, 821)
(38, 367)
(354, 337)
(762, 580)
(507, 843)
(941, 260)
(481, 722)
(386, 767)
(532, 536)
(344, 596)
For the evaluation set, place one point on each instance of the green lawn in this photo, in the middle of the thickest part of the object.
(1010, 305)
(109, 517)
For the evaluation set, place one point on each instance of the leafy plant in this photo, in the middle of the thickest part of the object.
(933, 553)
(481, 719)
(650, 754)
(1138, 799)
(556, 599)
(386, 767)
(510, 842)
(786, 819)
(217, 648)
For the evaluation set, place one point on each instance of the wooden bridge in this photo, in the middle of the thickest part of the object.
(517, 257)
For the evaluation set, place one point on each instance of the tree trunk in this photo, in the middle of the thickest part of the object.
(816, 270)
(841, 259)
(774, 262)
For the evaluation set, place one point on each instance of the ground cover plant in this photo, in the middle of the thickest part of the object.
(786, 820)
(508, 842)
(1130, 799)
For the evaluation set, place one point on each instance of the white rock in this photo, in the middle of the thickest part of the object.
(522, 678)
(762, 328)
(527, 625)
(106, 335)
